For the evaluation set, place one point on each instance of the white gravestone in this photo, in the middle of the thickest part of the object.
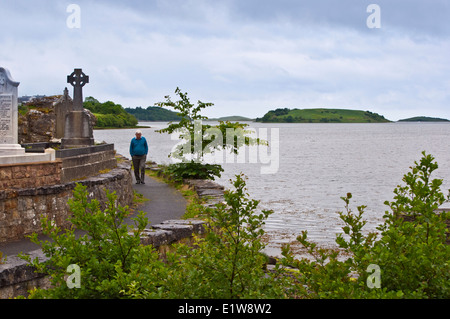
(8, 115)
(11, 152)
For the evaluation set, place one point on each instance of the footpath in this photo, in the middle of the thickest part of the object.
(163, 203)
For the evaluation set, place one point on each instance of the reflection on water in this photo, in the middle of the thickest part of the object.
(319, 163)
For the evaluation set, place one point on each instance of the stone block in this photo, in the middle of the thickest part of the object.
(157, 237)
(213, 192)
(19, 172)
(5, 173)
(180, 231)
(200, 184)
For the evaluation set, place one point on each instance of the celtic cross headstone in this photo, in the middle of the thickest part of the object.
(78, 79)
(78, 130)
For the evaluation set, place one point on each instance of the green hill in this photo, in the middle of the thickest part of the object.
(424, 119)
(321, 115)
(109, 114)
(153, 113)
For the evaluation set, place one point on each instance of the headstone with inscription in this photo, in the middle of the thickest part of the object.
(78, 131)
(9, 115)
(63, 106)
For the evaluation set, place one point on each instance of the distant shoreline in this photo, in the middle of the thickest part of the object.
(424, 119)
(213, 120)
(121, 128)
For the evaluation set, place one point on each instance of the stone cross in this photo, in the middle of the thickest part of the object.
(78, 130)
(77, 79)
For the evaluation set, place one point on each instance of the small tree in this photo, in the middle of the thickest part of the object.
(199, 139)
(227, 262)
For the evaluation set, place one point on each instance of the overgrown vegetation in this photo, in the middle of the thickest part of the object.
(109, 255)
(114, 264)
(410, 259)
(412, 255)
(226, 263)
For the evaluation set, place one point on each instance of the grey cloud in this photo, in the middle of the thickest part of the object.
(253, 55)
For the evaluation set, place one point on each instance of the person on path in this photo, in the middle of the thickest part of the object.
(138, 152)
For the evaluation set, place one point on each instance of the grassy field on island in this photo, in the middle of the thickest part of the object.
(321, 115)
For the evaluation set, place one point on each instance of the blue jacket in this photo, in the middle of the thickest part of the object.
(138, 147)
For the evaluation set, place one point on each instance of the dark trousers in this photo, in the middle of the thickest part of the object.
(139, 167)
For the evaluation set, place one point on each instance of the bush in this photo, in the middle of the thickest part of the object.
(193, 170)
(227, 262)
(109, 256)
(411, 259)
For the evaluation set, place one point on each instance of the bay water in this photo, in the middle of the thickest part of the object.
(313, 166)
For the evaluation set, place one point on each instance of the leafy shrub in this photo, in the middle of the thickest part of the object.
(226, 263)
(109, 255)
(412, 253)
(193, 170)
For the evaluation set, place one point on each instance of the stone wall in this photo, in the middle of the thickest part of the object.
(21, 209)
(79, 163)
(17, 176)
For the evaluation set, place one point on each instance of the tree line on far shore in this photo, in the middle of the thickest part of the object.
(112, 115)
(109, 114)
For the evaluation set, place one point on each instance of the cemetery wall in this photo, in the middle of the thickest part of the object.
(21, 209)
(29, 175)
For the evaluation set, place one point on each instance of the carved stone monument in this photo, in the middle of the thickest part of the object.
(78, 131)
(8, 115)
(63, 106)
(11, 152)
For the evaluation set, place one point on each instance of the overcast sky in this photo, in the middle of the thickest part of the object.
(245, 56)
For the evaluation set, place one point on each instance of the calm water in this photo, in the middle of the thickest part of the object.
(317, 164)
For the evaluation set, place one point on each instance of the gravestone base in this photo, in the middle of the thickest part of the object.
(22, 157)
(11, 150)
(76, 142)
(78, 131)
